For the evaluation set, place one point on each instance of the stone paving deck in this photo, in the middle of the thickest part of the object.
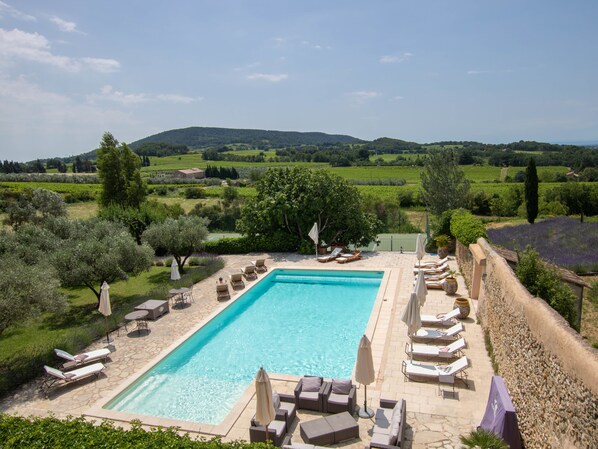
(435, 417)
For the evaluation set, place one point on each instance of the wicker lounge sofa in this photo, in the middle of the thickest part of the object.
(390, 422)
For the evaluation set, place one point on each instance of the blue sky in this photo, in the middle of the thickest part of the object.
(491, 71)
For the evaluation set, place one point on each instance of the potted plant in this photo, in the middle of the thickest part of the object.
(450, 283)
(442, 243)
(483, 439)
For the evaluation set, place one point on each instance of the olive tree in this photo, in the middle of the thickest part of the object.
(289, 201)
(95, 251)
(35, 206)
(27, 291)
(444, 185)
(180, 237)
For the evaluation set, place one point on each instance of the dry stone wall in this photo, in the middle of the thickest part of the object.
(550, 371)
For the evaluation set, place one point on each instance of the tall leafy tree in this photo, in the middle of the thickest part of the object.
(180, 237)
(289, 201)
(444, 185)
(119, 172)
(35, 206)
(531, 191)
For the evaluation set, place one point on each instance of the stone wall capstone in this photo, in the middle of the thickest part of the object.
(550, 371)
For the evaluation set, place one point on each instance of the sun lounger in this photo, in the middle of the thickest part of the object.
(57, 377)
(418, 350)
(336, 252)
(84, 358)
(222, 292)
(249, 272)
(260, 265)
(436, 285)
(349, 258)
(434, 270)
(432, 264)
(441, 373)
(442, 319)
(436, 277)
(437, 335)
(236, 280)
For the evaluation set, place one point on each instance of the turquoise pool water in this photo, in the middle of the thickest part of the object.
(293, 322)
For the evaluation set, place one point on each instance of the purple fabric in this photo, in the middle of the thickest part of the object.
(500, 416)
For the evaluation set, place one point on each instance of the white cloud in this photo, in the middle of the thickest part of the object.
(272, 77)
(65, 25)
(398, 98)
(249, 66)
(34, 47)
(102, 65)
(6, 9)
(477, 72)
(362, 96)
(108, 94)
(395, 59)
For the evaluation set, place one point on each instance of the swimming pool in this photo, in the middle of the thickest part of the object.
(292, 322)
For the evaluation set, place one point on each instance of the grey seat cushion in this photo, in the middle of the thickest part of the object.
(309, 395)
(342, 399)
(278, 427)
(380, 438)
(288, 406)
(383, 421)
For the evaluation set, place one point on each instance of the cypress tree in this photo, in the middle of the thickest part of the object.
(531, 191)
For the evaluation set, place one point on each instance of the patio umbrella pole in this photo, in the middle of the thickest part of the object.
(108, 340)
(365, 412)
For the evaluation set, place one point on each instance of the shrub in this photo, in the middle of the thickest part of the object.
(483, 439)
(159, 263)
(18, 432)
(466, 227)
(194, 193)
(544, 282)
(242, 245)
(194, 262)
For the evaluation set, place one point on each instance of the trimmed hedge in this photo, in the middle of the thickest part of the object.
(34, 433)
(278, 243)
(466, 227)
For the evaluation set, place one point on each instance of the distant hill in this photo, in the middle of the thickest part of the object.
(199, 137)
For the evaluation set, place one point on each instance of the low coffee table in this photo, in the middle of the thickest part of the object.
(329, 429)
(154, 308)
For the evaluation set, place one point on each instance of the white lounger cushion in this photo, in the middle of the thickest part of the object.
(433, 371)
(84, 356)
(435, 333)
(441, 317)
(437, 351)
(432, 264)
(77, 373)
(433, 270)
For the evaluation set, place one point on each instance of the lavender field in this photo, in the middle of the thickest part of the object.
(562, 241)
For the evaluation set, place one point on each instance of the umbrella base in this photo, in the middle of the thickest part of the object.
(365, 412)
(107, 339)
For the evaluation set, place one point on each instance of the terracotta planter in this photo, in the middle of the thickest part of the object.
(442, 252)
(450, 286)
(464, 307)
(322, 249)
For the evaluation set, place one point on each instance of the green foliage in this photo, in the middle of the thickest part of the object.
(119, 174)
(278, 242)
(444, 185)
(35, 206)
(137, 220)
(389, 213)
(466, 227)
(291, 200)
(544, 282)
(222, 216)
(483, 439)
(442, 240)
(593, 293)
(180, 237)
(95, 251)
(27, 291)
(39, 433)
(194, 193)
(531, 191)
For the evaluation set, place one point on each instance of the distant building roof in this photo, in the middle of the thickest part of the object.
(190, 171)
(566, 275)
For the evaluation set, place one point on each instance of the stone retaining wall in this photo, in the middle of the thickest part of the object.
(550, 371)
(465, 261)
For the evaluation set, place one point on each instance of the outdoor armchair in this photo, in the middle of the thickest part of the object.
(249, 272)
(222, 292)
(340, 397)
(236, 280)
(276, 432)
(260, 265)
(310, 392)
